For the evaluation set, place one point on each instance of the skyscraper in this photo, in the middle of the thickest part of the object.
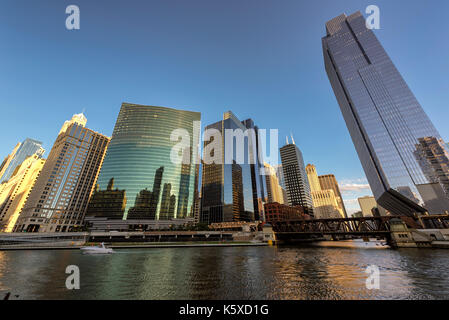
(8, 160)
(139, 162)
(312, 176)
(280, 175)
(26, 149)
(14, 192)
(324, 200)
(328, 182)
(367, 204)
(274, 190)
(232, 191)
(385, 120)
(296, 182)
(257, 179)
(58, 201)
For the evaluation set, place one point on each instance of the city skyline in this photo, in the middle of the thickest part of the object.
(348, 173)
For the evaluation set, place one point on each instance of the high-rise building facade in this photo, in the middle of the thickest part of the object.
(79, 119)
(312, 176)
(257, 179)
(8, 160)
(138, 171)
(274, 190)
(433, 157)
(15, 191)
(22, 151)
(325, 203)
(368, 205)
(385, 120)
(295, 177)
(328, 182)
(280, 175)
(59, 198)
(232, 191)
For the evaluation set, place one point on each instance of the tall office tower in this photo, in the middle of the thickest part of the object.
(275, 193)
(385, 120)
(58, 201)
(324, 201)
(296, 182)
(139, 162)
(232, 190)
(26, 149)
(280, 176)
(368, 204)
(312, 176)
(328, 182)
(258, 181)
(15, 191)
(8, 160)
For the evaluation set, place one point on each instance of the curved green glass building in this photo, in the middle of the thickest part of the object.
(146, 183)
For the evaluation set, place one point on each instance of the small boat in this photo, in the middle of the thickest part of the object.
(101, 249)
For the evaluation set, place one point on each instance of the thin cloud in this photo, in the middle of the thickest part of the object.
(354, 187)
(350, 201)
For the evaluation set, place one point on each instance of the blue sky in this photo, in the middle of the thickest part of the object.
(259, 58)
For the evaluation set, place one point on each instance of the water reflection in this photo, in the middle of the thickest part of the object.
(228, 273)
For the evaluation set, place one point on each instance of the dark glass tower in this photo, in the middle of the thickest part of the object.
(233, 191)
(387, 124)
(139, 160)
(296, 182)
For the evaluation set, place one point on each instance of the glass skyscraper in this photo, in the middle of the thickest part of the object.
(137, 172)
(26, 149)
(388, 126)
(233, 191)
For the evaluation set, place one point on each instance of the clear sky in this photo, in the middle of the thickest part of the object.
(259, 58)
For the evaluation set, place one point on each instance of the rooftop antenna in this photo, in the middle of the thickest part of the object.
(286, 137)
(292, 138)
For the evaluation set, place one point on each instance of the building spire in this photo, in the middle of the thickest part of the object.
(293, 140)
(286, 138)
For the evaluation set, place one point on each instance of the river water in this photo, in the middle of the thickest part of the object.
(319, 272)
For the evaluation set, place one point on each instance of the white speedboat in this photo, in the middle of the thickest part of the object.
(101, 249)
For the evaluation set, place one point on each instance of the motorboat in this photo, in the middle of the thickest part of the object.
(100, 249)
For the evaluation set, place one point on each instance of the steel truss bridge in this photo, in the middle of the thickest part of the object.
(339, 228)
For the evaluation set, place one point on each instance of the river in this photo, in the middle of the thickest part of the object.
(314, 272)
